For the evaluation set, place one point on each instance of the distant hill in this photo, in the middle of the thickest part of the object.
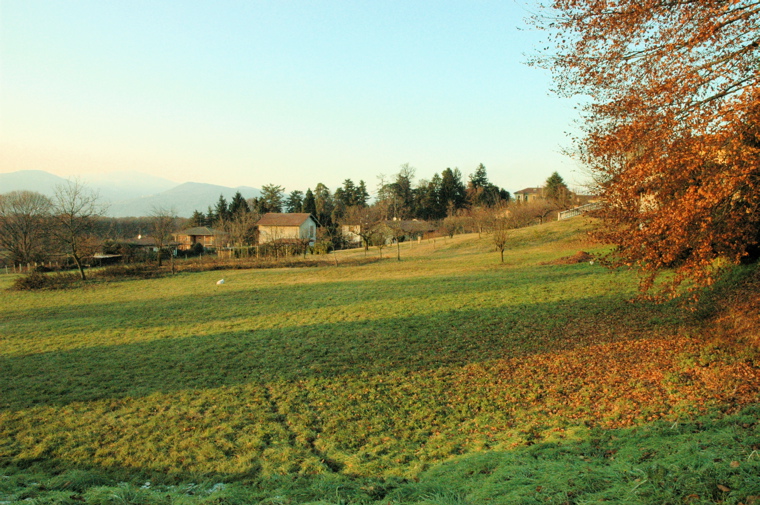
(131, 193)
(184, 199)
(30, 180)
(119, 186)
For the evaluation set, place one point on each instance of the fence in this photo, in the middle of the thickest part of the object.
(20, 268)
(567, 214)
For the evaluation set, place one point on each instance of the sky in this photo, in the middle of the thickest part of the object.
(287, 92)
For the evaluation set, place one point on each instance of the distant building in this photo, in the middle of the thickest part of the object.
(207, 237)
(528, 195)
(274, 227)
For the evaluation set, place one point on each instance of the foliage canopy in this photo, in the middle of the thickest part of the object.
(671, 128)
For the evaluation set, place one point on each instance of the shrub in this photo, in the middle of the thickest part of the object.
(39, 280)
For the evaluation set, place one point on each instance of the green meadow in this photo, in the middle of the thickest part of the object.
(445, 378)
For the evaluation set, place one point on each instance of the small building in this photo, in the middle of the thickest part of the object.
(351, 233)
(277, 227)
(529, 195)
(207, 237)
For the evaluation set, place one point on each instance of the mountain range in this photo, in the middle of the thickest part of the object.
(131, 193)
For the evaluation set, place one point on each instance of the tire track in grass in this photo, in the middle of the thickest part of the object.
(281, 414)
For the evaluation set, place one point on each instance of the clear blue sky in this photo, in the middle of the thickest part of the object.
(282, 92)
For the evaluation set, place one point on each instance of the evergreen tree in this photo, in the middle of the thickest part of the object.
(348, 194)
(211, 216)
(324, 204)
(222, 211)
(479, 179)
(432, 205)
(294, 202)
(238, 205)
(309, 204)
(271, 198)
(556, 191)
(362, 195)
(453, 194)
(197, 219)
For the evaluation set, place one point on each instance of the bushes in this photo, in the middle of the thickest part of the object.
(39, 280)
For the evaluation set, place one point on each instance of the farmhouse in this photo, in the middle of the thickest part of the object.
(207, 237)
(275, 227)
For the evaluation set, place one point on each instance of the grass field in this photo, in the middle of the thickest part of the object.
(447, 377)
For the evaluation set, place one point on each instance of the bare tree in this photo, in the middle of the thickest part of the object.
(163, 225)
(363, 221)
(242, 227)
(74, 209)
(397, 230)
(23, 219)
(505, 218)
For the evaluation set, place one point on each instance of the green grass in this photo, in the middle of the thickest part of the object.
(387, 382)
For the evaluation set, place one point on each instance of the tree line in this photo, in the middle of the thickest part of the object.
(34, 228)
(398, 196)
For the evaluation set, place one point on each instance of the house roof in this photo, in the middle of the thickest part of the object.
(145, 242)
(279, 219)
(411, 225)
(529, 191)
(198, 230)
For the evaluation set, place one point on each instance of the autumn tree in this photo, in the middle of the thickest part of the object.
(23, 220)
(74, 210)
(671, 125)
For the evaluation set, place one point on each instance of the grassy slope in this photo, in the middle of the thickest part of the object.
(358, 381)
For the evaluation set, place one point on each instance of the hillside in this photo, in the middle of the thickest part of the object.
(447, 377)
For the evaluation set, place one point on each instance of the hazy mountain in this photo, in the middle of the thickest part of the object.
(118, 186)
(131, 193)
(184, 199)
(30, 180)
(114, 186)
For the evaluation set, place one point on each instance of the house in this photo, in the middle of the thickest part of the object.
(351, 233)
(146, 243)
(528, 195)
(404, 229)
(276, 227)
(207, 237)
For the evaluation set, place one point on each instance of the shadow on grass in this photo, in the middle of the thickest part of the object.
(447, 338)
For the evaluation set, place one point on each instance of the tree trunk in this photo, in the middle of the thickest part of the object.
(79, 266)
